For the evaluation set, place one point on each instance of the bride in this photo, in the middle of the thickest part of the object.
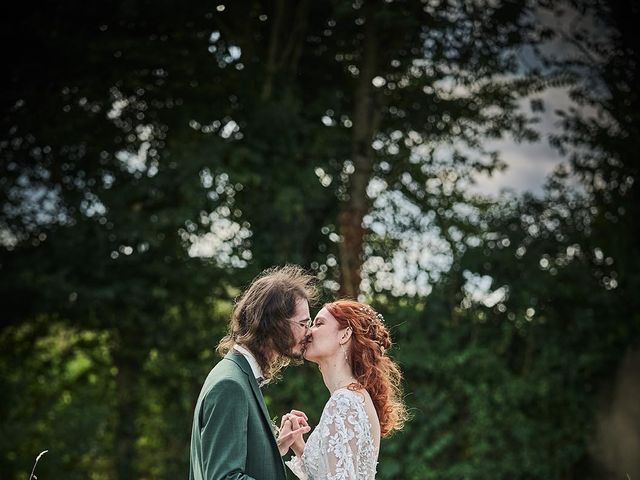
(348, 341)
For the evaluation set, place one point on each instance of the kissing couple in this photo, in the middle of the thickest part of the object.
(232, 437)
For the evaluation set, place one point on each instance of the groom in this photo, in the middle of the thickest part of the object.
(232, 436)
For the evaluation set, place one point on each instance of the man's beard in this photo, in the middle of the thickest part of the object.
(298, 356)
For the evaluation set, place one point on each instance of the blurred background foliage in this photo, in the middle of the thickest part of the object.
(156, 156)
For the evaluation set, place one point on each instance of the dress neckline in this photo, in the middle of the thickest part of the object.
(310, 458)
(359, 395)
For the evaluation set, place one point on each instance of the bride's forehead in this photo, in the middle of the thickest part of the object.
(325, 314)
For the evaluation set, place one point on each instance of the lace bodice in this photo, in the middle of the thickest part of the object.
(341, 447)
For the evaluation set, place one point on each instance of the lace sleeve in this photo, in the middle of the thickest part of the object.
(343, 438)
(297, 467)
(341, 446)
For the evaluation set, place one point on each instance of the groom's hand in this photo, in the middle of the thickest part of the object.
(298, 413)
(294, 414)
(290, 430)
(301, 416)
(298, 441)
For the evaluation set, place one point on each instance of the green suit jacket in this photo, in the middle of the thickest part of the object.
(231, 436)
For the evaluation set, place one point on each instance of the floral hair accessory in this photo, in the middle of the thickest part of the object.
(370, 311)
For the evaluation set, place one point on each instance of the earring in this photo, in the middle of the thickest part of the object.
(345, 353)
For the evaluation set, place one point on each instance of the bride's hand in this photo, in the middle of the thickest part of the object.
(298, 441)
(292, 427)
(302, 421)
(301, 415)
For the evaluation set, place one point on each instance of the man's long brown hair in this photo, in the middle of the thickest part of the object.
(260, 318)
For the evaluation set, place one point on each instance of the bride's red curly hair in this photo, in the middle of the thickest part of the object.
(372, 368)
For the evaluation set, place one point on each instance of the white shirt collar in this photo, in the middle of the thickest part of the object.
(253, 363)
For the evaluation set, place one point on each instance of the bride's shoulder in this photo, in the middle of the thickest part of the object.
(356, 391)
(347, 395)
(346, 402)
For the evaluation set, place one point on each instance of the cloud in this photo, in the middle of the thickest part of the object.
(528, 164)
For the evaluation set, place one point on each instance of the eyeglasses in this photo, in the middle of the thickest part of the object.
(303, 323)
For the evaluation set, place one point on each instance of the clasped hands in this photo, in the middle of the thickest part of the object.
(292, 426)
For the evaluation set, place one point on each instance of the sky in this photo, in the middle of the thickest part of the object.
(529, 163)
(528, 166)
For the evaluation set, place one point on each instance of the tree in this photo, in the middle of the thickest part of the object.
(360, 92)
(425, 76)
(104, 214)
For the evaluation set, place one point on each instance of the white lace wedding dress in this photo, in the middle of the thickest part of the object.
(341, 447)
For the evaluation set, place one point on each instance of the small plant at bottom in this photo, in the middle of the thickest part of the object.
(33, 475)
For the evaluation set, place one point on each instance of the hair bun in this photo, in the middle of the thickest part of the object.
(381, 336)
(385, 340)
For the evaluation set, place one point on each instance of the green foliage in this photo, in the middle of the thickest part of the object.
(57, 389)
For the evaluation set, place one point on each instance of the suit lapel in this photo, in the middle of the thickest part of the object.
(242, 362)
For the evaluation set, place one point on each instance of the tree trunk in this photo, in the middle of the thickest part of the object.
(272, 56)
(355, 207)
(284, 53)
(617, 437)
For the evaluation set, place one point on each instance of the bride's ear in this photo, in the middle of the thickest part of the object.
(346, 335)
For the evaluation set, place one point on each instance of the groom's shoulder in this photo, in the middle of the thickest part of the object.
(225, 375)
(226, 369)
(220, 390)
